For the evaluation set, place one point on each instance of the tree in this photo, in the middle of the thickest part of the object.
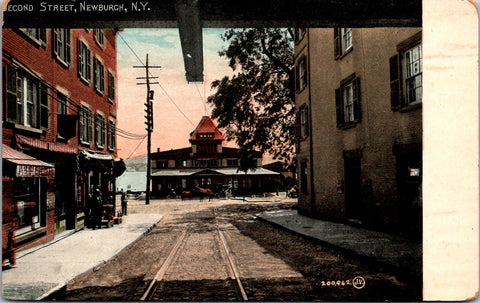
(256, 106)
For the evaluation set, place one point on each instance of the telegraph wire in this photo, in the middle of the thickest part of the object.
(136, 148)
(70, 104)
(161, 87)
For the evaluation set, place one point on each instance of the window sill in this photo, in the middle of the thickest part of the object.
(348, 51)
(30, 234)
(349, 125)
(411, 107)
(62, 62)
(99, 92)
(28, 128)
(84, 80)
(84, 143)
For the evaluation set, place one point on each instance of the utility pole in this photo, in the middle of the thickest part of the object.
(148, 122)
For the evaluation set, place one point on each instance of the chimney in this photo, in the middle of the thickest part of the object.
(158, 149)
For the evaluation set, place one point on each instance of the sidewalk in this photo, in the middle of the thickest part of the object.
(385, 248)
(43, 270)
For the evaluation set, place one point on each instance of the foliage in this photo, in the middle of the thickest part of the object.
(256, 106)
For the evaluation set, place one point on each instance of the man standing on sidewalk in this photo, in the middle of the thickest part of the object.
(123, 197)
(97, 209)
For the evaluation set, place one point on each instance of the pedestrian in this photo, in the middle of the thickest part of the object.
(97, 208)
(123, 197)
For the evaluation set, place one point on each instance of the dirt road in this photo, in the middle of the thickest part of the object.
(272, 264)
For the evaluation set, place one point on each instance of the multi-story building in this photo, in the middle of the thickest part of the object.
(58, 127)
(359, 134)
(208, 164)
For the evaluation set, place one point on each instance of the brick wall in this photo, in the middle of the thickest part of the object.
(41, 61)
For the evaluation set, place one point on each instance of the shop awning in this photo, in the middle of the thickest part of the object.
(27, 166)
(24, 142)
(97, 156)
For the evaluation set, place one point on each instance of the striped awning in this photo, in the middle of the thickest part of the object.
(27, 166)
(24, 142)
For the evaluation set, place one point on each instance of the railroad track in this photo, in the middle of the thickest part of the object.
(234, 277)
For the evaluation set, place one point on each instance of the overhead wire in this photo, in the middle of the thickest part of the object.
(70, 103)
(158, 83)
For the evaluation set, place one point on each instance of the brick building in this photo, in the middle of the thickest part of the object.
(59, 115)
(208, 164)
(359, 118)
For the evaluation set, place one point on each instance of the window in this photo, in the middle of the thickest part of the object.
(100, 37)
(85, 129)
(62, 103)
(111, 88)
(26, 100)
(38, 35)
(301, 75)
(111, 135)
(100, 131)
(406, 74)
(180, 163)
(299, 34)
(342, 41)
(99, 76)
(162, 163)
(61, 49)
(206, 163)
(412, 69)
(232, 162)
(30, 195)
(347, 101)
(84, 61)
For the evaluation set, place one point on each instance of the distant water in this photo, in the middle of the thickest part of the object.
(133, 180)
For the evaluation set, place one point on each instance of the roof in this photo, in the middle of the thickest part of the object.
(206, 126)
(210, 171)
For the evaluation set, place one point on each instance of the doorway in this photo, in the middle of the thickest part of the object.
(353, 188)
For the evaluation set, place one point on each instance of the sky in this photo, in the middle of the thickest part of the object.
(171, 127)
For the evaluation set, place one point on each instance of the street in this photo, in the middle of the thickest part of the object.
(218, 250)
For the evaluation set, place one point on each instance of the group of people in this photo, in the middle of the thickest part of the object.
(96, 207)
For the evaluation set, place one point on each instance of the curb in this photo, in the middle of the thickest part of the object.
(349, 251)
(94, 268)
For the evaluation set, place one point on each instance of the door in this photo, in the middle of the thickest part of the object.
(353, 188)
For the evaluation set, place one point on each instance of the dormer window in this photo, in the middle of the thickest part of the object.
(206, 135)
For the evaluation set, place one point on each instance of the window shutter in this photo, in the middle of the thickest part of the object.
(67, 46)
(44, 112)
(336, 42)
(297, 130)
(89, 126)
(55, 41)
(357, 110)
(79, 58)
(395, 83)
(307, 122)
(297, 78)
(11, 100)
(42, 35)
(339, 107)
(89, 65)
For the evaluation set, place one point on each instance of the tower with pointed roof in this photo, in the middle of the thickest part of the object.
(207, 163)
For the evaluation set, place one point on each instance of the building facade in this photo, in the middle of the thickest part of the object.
(208, 164)
(359, 126)
(59, 111)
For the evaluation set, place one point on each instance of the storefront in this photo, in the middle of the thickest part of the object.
(98, 170)
(27, 201)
